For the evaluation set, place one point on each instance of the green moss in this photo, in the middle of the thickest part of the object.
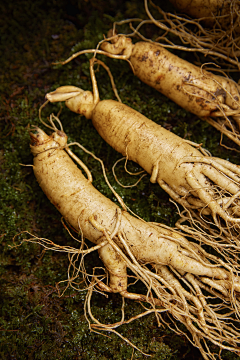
(35, 322)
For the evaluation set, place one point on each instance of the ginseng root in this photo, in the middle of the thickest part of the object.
(213, 98)
(182, 271)
(208, 187)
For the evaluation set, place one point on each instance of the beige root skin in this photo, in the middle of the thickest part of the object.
(191, 87)
(202, 184)
(128, 242)
(214, 98)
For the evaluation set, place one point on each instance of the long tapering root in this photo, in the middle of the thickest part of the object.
(198, 289)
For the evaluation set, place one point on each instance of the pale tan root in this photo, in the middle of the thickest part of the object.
(226, 118)
(202, 93)
(164, 289)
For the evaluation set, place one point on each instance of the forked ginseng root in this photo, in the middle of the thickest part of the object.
(176, 272)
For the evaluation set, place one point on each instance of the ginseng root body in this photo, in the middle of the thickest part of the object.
(77, 200)
(202, 184)
(191, 87)
(125, 241)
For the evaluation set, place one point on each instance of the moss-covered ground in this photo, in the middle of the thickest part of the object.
(35, 323)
